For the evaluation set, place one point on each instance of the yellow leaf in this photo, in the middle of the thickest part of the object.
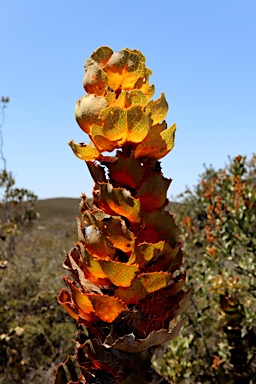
(145, 252)
(142, 286)
(99, 56)
(95, 80)
(137, 98)
(143, 84)
(122, 101)
(158, 109)
(84, 152)
(126, 99)
(100, 141)
(87, 111)
(124, 68)
(122, 125)
(158, 142)
(119, 274)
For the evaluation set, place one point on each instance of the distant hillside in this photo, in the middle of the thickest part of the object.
(66, 208)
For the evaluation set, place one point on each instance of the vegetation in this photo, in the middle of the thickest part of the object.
(217, 220)
(35, 332)
(127, 289)
(29, 343)
(16, 204)
(117, 311)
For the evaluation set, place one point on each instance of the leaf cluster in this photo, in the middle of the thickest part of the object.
(16, 212)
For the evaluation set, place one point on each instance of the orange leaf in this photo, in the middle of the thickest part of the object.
(124, 68)
(126, 171)
(117, 201)
(158, 142)
(152, 193)
(91, 268)
(94, 241)
(95, 80)
(159, 225)
(107, 308)
(65, 300)
(143, 285)
(115, 230)
(82, 303)
(91, 305)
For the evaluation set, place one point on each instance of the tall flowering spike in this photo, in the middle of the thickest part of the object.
(127, 292)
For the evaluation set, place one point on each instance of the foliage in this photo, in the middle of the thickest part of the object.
(28, 342)
(127, 288)
(16, 204)
(16, 212)
(34, 331)
(217, 220)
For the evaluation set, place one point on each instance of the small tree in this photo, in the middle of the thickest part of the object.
(127, 292)
(16, 205)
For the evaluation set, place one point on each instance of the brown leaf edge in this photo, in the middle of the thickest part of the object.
(129, 343)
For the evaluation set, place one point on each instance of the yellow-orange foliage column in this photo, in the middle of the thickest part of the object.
(126, 288)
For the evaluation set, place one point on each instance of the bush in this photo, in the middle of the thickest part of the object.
(217, 220)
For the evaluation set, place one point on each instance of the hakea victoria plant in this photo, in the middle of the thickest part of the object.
(127, 289)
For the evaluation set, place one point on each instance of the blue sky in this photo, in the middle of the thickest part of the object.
(202, 54)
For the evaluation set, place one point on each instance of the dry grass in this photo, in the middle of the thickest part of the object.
(35, 332)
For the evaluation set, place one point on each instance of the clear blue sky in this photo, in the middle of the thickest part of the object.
(202, 54)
